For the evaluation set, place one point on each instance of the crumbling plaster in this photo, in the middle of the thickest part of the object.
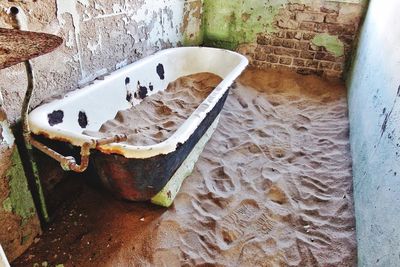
(99, 37)
(309, 36)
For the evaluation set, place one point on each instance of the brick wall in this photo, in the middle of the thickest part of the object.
(294, 44)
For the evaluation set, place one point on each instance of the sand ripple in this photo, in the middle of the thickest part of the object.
(273, 186)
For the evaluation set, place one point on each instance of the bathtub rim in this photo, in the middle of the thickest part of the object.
(180, 136)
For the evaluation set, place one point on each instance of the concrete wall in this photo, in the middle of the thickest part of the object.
(100, 36)
(374, 101)
(309, 36)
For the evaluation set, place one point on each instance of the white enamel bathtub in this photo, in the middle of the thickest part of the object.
(140, 172)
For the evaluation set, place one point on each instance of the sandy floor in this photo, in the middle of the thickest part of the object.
(272, 188)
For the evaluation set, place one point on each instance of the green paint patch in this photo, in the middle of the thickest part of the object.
(20, 199)
(330, 42)
(228, 23)
(192, 40)
(25, 238)
(7, 205)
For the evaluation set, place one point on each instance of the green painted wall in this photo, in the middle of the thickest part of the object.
(330, 42)
(228, 23)
(374, 110)
(19, 200)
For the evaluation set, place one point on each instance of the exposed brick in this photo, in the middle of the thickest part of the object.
(272, 59)
(302, 45)
(329, 10)
(285, 60)
(314, 47)
(266, 49)
(325, 56)
(322, 27)
(293, 35)
(299, 62)
(279, 34)
(331, 18)
(338, 67)
(282, 67)
(288, 43)
(308, 35)
(288, 24)
(310, 16)
(286, 52)
(263, 40)
(326, 65)
(349, 29)
(276, 42)
(260, 56)
(347, 39)
(341, 59)
(262, 64)
(307, 54)
(312, 64)
(296, 7)
(335, 29)
(307, 26)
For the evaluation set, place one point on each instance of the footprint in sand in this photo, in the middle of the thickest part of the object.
(234, 224)
(301, 123)
(220, 183)
(276, 195)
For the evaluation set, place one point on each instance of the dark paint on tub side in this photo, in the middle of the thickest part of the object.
(160, 71)
(82, 119)
(141, 92)
(56, 117)
(142, 179)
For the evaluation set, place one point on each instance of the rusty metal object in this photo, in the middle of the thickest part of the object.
(69, 163)
(20, 46)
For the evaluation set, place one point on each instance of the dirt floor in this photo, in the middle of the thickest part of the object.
(273, 187)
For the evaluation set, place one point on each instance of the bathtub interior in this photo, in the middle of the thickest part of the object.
(88, 108)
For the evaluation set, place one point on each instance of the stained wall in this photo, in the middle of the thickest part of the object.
(99, 37)
(309, 36)
(374, 103)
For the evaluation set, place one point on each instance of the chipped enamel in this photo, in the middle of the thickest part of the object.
(103, 99)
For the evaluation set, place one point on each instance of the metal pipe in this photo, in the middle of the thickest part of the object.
(69, 163)
(25, 126)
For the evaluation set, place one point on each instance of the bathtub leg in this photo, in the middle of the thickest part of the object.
(167, 195)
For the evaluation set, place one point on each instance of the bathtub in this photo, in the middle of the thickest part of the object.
(141, 173)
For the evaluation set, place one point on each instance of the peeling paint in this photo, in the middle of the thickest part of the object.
(230, 23)
(121, 64)
(7, 137)
(19, 200)
(70, 8)
(93, 46)
(330, 42)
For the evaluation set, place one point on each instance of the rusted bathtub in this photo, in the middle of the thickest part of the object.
(142, 172)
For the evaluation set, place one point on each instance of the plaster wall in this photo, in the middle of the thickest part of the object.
(309, 36)
(374, 103)
(99, 37)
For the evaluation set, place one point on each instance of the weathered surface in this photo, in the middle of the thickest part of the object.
(18, 219)
(99, 37)
(374, 102)
(311, 37)
(17, 46)
(271, 188)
